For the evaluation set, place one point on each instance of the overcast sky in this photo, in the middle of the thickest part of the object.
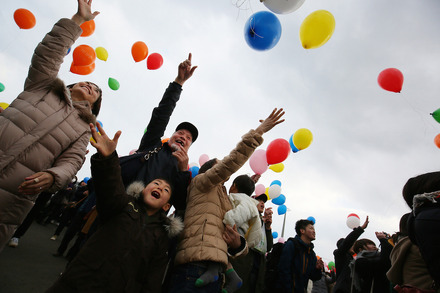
(367, 141)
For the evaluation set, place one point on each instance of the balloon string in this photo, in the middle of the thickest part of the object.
(421, 114)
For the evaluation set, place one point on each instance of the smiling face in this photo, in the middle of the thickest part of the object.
(181, 137)
(156, 196)
(85, 91)
(260, 206)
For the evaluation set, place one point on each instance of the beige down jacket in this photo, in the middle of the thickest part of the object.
(207, 204)
(42, 129)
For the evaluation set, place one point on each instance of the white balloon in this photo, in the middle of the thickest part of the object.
(283, 6)
(193, 164)
(353, 221)
(274, 191)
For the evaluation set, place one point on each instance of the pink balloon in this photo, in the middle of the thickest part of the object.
(132, 151)
(258, 162)
(277, 151)
(281, 240)
(203, 159)
(260, 189)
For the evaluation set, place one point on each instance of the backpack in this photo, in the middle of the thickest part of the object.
(272, 261)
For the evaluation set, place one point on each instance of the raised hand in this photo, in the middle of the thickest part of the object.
(84, 12)
(271, 121)
(185, 71)
(103, 144)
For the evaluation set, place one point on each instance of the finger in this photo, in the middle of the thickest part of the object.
(189, 56)
(193, 69)
(100, 129)
(116, 136)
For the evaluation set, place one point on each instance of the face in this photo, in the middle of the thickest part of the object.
(85, 91)
(260, 206)
(181, 137)
(309, 232)
(370, 247)
(157, 195)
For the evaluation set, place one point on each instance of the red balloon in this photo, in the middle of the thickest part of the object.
(154, 61)
(24, 18)
(139, 51)
(391, 79)
(84, 55)
(277, 151)
(82, 70)
(437, 140)
(88, 28)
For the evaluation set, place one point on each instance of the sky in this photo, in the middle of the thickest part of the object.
(367, 142)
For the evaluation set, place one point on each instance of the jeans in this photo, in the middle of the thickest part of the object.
(184, 277)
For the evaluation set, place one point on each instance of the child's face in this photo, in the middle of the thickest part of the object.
(157, 195)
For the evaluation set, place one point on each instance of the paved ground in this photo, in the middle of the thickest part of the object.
(30, 267)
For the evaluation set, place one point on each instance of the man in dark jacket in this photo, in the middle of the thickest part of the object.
(170, 159)
(298, 263)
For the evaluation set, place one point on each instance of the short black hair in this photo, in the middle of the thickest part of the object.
(428, 182)
(244, 184)
(302, 224)
(207, 165)
(359, 245)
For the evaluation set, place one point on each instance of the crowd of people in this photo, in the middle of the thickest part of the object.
(215, 240)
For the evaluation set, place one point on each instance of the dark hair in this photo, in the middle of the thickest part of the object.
(359, 245)
(244, 184)
(96, 107)
(428, 182)
(208, 165)
(339, 242)
(302, 224)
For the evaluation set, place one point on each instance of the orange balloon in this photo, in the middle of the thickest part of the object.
(139, 51)
(88, 28)
(437, 140)
(82, 70)
(84, 55)
(24, 18)
(164, 140)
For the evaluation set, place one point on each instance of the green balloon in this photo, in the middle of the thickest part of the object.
(2, 87)
(436, 115)
(113, 84)
(331, 265)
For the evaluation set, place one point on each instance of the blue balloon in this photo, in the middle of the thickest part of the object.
(274, 234)
(292, 146)
(68, 51)
(262, 31)
(277, 182)
(86, 179)
(279, 200)
(194, 171)
(312, 219)
(282, 209)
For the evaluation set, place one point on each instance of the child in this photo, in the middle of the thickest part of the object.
(203, 241)
(128, 252)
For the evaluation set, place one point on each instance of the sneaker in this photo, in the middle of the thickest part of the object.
(13, 242)
(54, 237)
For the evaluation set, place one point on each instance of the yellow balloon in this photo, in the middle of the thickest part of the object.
(302, 138)
(277, 167)
(316, 29)
(267, 193)
(4, 105)
(101, 53)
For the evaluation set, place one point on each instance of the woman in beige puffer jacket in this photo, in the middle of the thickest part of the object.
(45, 131)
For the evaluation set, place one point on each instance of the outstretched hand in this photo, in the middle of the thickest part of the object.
(185, 71)
(103, 144)
(84, 12)
(365, 224)
(271, 121)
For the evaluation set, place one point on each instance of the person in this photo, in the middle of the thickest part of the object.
(343, 256)
(44, 131)
(203, 241)
(422, 194)
(128, 252)
(370, 266)
(170, 159)
(299, 265)
(324, 284)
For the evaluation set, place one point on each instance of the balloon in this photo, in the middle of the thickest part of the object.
(277, 182)
(302, 138)
(193, 164)
(68, 51)
(203, 159)
(331, 265)
(82, 70)
(258, 162)
(353, 221)
(391, 79)
(2, 87)
(277, 167)
(274, 191)
(292, 145)
(435, 114)
(132, 151)
(267, 192)
(282, 209)
(260, 189)
(436, 139)
(279, 200)
(194, 171)
(154, 61)
(316, 29)
(262, 31)
(277, 151)
(164, 140)
(101, 53)
(283, 6)
(281, 240)
(4, 105)
(24, 18)
(86, 179)
(88, 28)
(312, 219)
(83, 55)
(113, 84)
(100, 123)
(274, 234)
(139, 51)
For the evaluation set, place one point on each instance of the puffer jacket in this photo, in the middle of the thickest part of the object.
(42, 129)
(207, 204)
